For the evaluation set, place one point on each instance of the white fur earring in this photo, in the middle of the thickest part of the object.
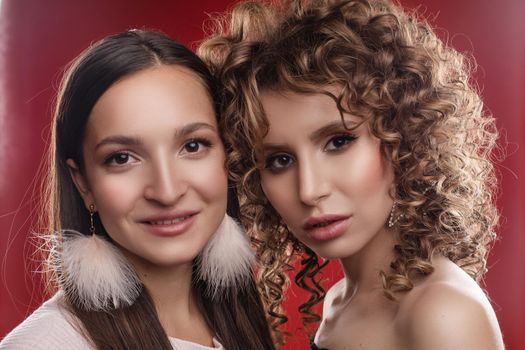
(227, 259)
(94, 273)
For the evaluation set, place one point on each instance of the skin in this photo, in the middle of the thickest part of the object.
(316, 169)
(152, 150)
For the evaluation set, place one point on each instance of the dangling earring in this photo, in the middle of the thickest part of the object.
(94, 273)
(227, 258)
(392, 219)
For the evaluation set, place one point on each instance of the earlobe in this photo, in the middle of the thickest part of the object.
(80, 182)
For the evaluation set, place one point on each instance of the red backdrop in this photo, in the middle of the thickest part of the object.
(38, 38)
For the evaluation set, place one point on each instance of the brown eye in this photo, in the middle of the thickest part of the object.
(279, 161)
(192, 147)
(196, 146)
(120, 158)
(339, 141)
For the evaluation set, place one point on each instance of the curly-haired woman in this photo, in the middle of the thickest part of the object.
(355, 134)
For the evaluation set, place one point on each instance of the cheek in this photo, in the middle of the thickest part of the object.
(370, 181)
(116, 195)
(374, 176)
(368, 172)
(279, 192)
(208, 178)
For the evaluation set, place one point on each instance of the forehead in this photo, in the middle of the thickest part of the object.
(282, 102)
(161, 96)
(286, 110)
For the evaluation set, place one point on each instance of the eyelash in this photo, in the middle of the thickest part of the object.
(205, 142)
(270, 161)
(348, 138)
(111, 160)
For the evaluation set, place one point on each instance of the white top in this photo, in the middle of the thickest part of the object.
(50, 327)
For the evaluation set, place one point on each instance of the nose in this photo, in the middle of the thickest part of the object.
(164, 185)
(313, 182)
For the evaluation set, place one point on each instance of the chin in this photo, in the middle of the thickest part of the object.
(165, 259)
(170, 262)
(327, 253)
(333, 252)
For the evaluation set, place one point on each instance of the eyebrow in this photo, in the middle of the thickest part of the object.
(137, 141)
(190, 128)
(332, 127)
(120, 140)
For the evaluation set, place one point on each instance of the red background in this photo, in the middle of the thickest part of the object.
(38, 38)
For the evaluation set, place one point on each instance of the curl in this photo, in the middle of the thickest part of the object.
(306, 279)
(416, 95)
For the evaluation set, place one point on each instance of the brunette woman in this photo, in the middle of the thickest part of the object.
(142, 252)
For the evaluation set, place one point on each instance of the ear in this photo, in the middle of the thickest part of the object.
(80, 182)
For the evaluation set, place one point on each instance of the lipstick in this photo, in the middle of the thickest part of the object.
(169, 225)
(326, 227)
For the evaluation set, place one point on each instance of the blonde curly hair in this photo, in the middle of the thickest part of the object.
(413, 90)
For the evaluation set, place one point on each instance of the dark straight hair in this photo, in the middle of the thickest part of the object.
(238, 320)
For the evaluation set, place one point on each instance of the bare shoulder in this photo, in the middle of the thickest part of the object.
(449, 311)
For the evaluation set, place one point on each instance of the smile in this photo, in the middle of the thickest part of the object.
(170, 222)
(170, 226)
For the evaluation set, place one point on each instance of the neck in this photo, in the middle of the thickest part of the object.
(362, 269)
(171, 289)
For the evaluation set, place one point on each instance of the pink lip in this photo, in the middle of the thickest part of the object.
(332, 226)
(184, 220)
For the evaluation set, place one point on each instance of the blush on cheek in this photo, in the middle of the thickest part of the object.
(377, 175)
(208, 178)
(374, 173)
(117, 196)
(280, 193)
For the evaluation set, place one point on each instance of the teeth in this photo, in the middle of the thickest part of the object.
(169, 222)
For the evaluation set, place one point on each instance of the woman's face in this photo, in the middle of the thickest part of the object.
(330, 185)
(154, 165)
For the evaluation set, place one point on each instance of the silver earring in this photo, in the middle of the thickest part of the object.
(94, 273)
(227, 259)
(393, 219)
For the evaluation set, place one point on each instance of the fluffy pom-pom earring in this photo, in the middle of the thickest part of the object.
(227, 259)
(94, 273)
